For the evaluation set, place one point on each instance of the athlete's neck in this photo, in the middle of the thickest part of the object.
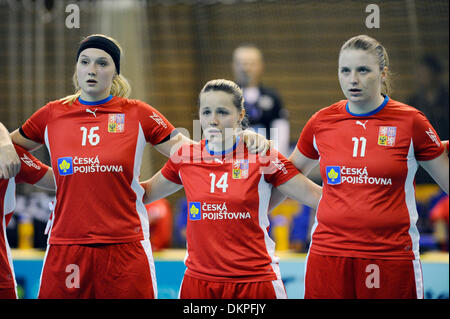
(99, 102)
(365, 107)
(94, 98)
(222, 146)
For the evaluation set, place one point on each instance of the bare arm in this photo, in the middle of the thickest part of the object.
(27, 144)
(445, 146)
(303, 190)
(303, 164)
(47, 181)
(9, 161)
(276, 198)
(158, 187)
(438, 170)
(255, 143)
(173, 144)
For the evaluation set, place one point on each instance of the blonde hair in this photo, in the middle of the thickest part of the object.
(120, 86)
(366, 43)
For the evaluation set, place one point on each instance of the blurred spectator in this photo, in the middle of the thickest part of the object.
(160, 217)
(439, 219)
(263, 105)
(431, 97)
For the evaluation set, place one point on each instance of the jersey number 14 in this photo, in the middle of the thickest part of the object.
(222, 183)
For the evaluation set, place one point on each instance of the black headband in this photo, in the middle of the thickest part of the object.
(104, 44)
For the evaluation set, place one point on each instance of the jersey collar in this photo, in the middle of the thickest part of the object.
(106, 100)
(378, 109)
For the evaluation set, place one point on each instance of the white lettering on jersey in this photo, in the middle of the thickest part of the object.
(366, 180)
(92, 165)
(278, 164)
(214, 207)
(355, 146)
(226, 215)
(219, 211)
(354, 175)
(361, 123)
(92, 112)
(93, 137)
(222, 183)
(29, 162)
(98, 169)
(72, 165)
(433, 136)
(158, 120)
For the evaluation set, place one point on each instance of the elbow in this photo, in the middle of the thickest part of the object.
(145, 197)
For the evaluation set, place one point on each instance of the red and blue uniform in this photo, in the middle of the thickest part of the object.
(31, 171)
(227, 227)
(96, 150)
(368, 163)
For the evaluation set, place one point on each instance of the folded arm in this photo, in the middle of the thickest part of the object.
(302, 190)
(47, 181)
(9, 160)
(304, 165)
(158, 187)
(438, 169)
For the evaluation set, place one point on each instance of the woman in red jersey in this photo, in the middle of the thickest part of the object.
(99, 239)
(32, 171)
(365, 243)
(229, 252)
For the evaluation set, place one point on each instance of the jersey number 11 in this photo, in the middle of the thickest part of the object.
(356, 146)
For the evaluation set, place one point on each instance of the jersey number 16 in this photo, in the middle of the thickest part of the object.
(92, 137)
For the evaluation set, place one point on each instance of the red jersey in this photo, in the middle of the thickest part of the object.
(96, 149)
(228, 196)
(440, 210)
(31, 171)
(368, 163)
(160, 215)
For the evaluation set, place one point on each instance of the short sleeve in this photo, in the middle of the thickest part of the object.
(427, 144)
(172, 167)
(34, 127)
(31, 169)
(305, 143)
(277, 169)
(155, 126)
